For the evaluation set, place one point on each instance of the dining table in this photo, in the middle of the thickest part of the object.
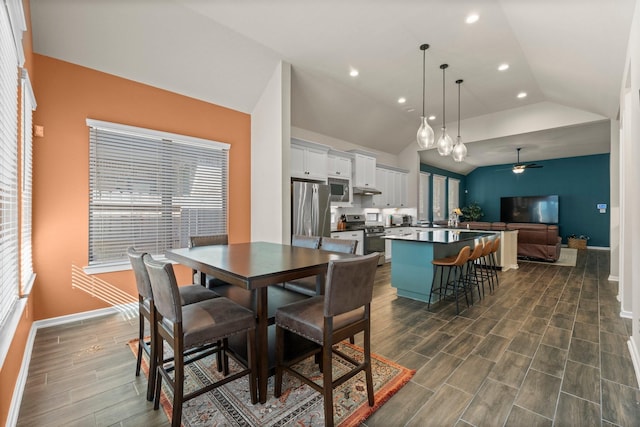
(255, 266)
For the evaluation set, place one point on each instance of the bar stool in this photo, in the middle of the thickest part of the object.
(493, 259)
(471, 276)
(486, 271)
(453, 264)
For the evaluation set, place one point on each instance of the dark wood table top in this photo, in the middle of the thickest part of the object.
(255, 264)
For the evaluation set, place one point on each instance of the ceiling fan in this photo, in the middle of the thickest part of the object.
(520, 167)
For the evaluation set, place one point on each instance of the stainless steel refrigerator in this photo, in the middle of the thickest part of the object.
(311, 209)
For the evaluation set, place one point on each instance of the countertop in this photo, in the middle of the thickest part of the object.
(440, 236)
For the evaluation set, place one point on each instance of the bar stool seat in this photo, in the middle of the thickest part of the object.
(453, 264)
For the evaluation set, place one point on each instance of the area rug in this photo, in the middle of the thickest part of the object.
(299, 405)
(567, 258)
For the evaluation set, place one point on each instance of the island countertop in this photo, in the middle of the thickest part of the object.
(440, 236)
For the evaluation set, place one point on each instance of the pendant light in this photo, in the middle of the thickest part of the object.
(425, 136)
(459, 150)
(445, 144)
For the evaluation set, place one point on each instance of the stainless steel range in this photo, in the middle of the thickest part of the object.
(373, 241)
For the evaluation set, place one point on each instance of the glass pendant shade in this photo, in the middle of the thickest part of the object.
(425, 137)
(445, 143)
(459, 151)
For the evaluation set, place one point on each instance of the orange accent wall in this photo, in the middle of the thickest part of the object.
(67, 95)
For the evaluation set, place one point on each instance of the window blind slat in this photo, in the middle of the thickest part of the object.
(152, 193)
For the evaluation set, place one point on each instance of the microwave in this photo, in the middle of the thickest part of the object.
(339, 190)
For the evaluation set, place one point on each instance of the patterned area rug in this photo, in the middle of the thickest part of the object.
(299, 405)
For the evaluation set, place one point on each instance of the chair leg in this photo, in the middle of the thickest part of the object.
(158, 387)
(367, 359)
(225, 356)
(178, 388)
(277, 385)
(140, 343)
(153, 362)
(327, 384)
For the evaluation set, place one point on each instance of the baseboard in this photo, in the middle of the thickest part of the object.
(612, 278)
(635, 357)
(626, 314)
(18, 391)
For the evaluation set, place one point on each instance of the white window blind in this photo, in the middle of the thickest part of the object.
(26, 258)
(9, 278)
(152, 190)
(453, 194)
(437, 203)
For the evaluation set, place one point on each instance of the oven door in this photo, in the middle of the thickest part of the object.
(373, 242)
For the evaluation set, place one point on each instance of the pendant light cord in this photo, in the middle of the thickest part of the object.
(443, 67)
(459, 82)
(424, 56)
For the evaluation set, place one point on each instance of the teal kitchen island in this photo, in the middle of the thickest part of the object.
(411, 268)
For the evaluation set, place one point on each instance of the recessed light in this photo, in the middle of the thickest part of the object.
(522, 95)
(503, 67)
(410, 110)
(353, 72)
(432, 118)
(402, 100)
(472, 18)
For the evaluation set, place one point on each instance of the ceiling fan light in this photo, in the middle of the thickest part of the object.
(425, 136)
(445, 144)
(517, 169)
(459, 151)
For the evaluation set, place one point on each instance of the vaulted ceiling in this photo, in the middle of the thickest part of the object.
(567, 55)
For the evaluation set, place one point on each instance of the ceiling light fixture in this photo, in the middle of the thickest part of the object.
(425, 136)
(472, 18)
(445, 144)
(503, 67)
(354, 72)
(459, 150)
(432, 117)
(402, 100)
(522, 95)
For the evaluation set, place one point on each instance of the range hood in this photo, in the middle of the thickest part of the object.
(366, 191)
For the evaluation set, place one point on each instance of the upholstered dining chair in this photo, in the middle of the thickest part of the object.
(188, 295)
(343, 311)
(302, 241)
(205, 324)
(214, 239)
(453, 264)
(307, 285)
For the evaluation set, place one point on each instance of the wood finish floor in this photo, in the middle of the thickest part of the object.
(547, 348)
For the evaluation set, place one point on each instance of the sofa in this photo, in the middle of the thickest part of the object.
(538, 241)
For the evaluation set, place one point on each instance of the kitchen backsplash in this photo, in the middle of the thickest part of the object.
(372, 215)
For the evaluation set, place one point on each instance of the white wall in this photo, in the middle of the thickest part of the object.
(270, 175)
(629, 184)
(614, 202)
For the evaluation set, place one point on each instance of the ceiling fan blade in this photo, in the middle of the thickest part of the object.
(533, 166)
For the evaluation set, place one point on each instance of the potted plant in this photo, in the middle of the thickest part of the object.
(473, 212)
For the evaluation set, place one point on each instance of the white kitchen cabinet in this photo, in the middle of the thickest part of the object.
(339, 166)
(365, 171)
(393, 186)
(308, 160)
(351, 235)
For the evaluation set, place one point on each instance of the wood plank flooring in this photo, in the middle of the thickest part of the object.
(547, 348)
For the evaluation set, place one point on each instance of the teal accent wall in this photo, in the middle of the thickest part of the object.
(580, 182)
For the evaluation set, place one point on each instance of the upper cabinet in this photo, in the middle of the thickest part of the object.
(392, 183)
(364, 175)
(309, 160)
(339, 165)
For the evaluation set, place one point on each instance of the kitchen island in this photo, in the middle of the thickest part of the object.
(411, 268)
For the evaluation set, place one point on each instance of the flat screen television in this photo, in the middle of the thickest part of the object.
(539, 209)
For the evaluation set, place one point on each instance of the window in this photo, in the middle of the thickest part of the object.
(453, 194)
(439, 208)
(26, 258)
(423, 196)
(9, 250)
(151, 190)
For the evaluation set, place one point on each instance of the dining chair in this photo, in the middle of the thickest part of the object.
(307, 285)
(188, 295)
(205, 325)
(214, 239)
(453, 264)
(302, 241)
(341, 312)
